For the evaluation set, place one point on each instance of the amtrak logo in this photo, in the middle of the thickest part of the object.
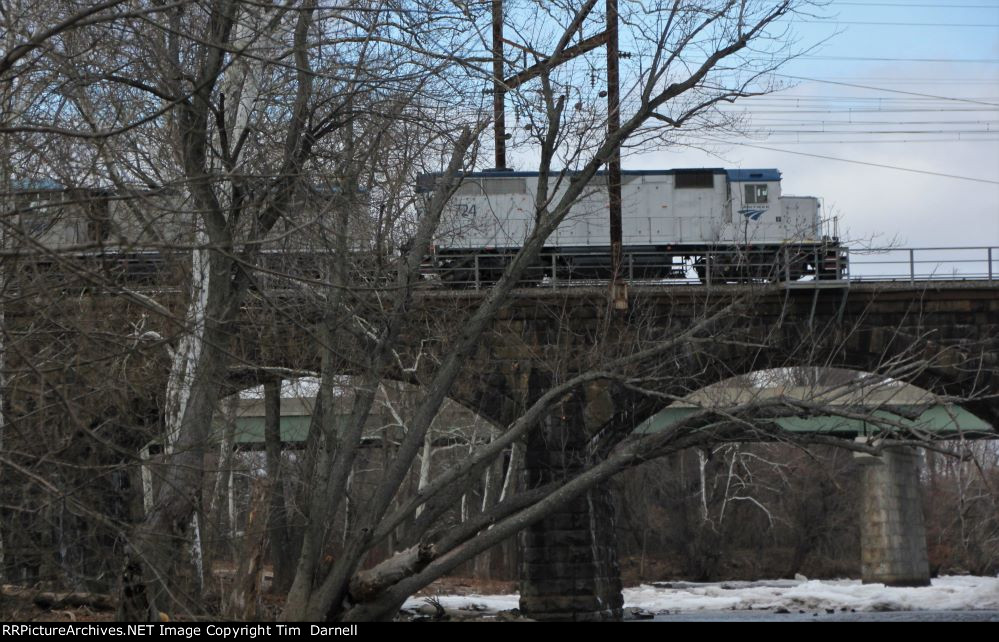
(752, 214)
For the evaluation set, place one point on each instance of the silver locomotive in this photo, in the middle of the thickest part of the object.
(710, 224)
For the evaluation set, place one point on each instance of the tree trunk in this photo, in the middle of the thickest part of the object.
(281, 550)
(158, 542)
(366, 585)
(245, 596)
(491, 488)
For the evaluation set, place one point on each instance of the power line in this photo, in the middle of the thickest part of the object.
(919, 98)
(840, 102)
(890, 91)
(851, 123)
(920, 6)
(865, 110)
(909, 132)
(903, 141)
(856, 162)
(901, 24)
(924, 80)
(841, 122)
(816, 135)
(781, 122)
(984, 61)
(852, 107)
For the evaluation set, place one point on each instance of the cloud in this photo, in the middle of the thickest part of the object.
(876, 202)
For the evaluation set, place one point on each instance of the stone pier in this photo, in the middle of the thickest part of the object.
(568, 568)
(892, 531)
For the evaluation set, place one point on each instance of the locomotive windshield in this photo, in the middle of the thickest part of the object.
(756, 194)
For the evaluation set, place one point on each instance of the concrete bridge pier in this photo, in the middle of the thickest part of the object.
(892, 530)
(568, 567)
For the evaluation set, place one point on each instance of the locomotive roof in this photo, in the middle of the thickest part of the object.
(735, 175)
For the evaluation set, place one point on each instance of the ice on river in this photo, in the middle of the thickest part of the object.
(950, 593)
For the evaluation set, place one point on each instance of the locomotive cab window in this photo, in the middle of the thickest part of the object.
(756, 194)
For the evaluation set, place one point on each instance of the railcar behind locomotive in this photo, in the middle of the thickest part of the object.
(720, 225)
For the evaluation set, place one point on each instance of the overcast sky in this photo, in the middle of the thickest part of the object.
(893, 85)
(947, 51)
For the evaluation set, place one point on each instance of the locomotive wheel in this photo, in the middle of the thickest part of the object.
(458, 274)
(790, 268)
(701, 268)
(714, 274)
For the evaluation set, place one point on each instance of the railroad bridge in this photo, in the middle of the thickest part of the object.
(941, 336)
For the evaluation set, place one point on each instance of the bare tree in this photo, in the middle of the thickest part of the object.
(271, 153)
(680, 78)
(222, 118)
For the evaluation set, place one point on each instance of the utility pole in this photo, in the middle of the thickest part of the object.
(609, 37)
(499, 89)
(618, 287)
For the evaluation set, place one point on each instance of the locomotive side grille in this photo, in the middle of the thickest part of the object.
(492, 186)
(694, 180)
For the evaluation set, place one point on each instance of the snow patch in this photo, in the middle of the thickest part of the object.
(950, 593)
(945, 594)
(473, 602)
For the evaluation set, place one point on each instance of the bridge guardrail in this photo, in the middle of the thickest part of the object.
(979, 263)
(790, 263)
(799, 264)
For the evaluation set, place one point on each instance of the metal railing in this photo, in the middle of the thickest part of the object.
(979, 263)
(787, 264)
(791, 264)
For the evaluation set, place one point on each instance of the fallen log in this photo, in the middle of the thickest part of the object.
(368, 584)
(55, 599)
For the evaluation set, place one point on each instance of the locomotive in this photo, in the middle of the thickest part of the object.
(715, 225)
(678, 225)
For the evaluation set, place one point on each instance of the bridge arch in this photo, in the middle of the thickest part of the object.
(856, 393)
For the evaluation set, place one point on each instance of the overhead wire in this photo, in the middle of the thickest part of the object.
(890, 91)
(903, 141)
(908, 5)
(853, 161)
(900, 24)
(900, 102)
(986, 61)
(843, 110)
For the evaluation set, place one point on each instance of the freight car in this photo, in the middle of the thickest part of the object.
(716, 225)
